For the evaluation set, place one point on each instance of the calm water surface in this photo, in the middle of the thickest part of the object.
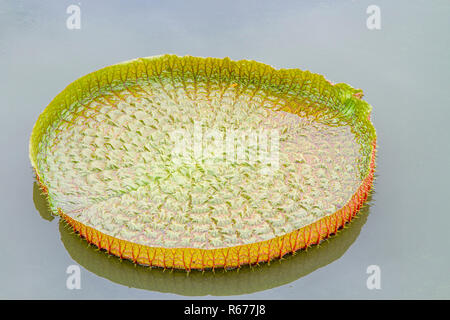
(403, 69)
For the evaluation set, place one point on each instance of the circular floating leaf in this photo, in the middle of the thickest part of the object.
(196, 163)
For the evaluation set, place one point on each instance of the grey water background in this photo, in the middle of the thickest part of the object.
(402, 68)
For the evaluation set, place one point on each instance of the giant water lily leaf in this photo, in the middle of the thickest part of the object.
(185, 162)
